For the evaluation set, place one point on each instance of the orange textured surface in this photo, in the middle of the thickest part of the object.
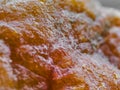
(57, 45)
(111, 46)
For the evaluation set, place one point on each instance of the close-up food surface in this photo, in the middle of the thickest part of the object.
(59, 45)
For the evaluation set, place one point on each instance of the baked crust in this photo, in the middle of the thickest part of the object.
(58, 45)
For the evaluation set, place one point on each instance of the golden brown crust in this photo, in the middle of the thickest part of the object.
(110, 46)
(55, 46)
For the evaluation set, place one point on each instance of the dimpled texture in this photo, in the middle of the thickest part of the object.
(58, 45)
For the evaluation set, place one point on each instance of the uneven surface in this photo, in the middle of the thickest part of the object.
(111, 46)
(58, 45)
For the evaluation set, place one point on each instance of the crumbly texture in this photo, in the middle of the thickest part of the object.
(58, 45)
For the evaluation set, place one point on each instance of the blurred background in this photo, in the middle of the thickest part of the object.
(111, 3)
